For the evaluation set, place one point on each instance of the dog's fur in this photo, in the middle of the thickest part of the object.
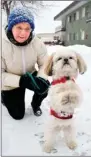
(65, 96)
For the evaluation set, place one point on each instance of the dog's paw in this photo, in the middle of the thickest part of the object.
(70, 98)
(72, 145)
(74, 99)
(65, 100)
(47, 148)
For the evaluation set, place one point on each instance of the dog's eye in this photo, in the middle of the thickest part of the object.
(70, 58)
(59, 58)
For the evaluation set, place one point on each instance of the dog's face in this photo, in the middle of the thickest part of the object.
(65, 62)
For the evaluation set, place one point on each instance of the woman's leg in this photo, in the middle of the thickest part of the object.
(36, 103)
(37, 100)
(14, 101)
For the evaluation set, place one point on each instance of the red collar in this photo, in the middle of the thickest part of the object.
(61, 80)
(61, 116)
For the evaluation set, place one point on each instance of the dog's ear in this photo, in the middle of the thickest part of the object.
(48, 65)
(81, 64)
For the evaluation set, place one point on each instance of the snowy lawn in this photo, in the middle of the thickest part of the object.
(25, 137)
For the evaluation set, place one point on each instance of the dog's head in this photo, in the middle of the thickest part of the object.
(65, 62)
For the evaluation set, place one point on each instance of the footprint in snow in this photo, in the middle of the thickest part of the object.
(41, 142)
(54, 151)
(41, 135)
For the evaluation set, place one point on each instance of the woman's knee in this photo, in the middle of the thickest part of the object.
(17, 116)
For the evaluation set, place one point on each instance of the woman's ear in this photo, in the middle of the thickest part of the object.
(81, 64)
(48, 65)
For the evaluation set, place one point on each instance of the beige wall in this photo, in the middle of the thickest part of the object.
(46, 36)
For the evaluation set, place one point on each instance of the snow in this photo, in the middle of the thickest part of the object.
(25, 137)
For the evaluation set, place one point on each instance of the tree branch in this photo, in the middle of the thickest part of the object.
(35, 6)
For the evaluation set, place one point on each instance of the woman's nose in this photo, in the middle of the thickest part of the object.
(23, 31)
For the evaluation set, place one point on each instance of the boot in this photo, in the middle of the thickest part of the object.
(38, 112)
(36, 103)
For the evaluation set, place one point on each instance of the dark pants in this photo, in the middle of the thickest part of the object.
(14, 101)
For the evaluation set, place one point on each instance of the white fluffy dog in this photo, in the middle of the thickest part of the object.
(65, 95)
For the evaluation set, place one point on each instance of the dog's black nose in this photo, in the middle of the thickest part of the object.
(65, 60)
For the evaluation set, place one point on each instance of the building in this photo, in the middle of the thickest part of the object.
(76, 23)
(46, 37)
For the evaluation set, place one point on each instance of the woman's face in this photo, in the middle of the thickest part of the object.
(21, 31)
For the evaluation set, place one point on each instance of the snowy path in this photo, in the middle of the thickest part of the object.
(25, 137)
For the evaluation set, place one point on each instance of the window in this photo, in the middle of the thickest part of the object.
(77, 37)
(74, 36)
(77, 15)
(70, 18)
(68, 37)
(82, 34)
(88, 11)
(56, 37)
(83, 12)
(86, 36)
(74, 16)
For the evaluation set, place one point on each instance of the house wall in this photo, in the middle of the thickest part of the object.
(46, 36)
(74, 7)
(77, 27)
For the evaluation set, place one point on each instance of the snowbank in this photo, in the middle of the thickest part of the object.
(25, 137)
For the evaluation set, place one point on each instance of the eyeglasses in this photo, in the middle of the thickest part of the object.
(21, 29)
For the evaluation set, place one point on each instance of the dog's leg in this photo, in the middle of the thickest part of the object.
(49, 137)
(70, 137)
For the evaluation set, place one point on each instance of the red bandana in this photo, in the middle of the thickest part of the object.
(61, 116)
(61, 80)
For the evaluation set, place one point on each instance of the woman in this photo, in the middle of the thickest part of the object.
(21, 49)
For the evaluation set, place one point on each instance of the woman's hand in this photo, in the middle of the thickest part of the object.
(34, 83)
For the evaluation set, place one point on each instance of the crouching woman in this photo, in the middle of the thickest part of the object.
(21, 49)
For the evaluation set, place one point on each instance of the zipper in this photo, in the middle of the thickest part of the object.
(23, 62)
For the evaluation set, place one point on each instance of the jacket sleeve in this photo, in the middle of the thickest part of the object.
(41, 58)
(8, 79)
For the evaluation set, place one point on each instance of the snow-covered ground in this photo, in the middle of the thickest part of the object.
(25, 137)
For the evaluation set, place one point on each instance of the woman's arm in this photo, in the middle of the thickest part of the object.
(42, 55)
(8, 79)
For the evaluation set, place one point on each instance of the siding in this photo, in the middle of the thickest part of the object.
(77, 26)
